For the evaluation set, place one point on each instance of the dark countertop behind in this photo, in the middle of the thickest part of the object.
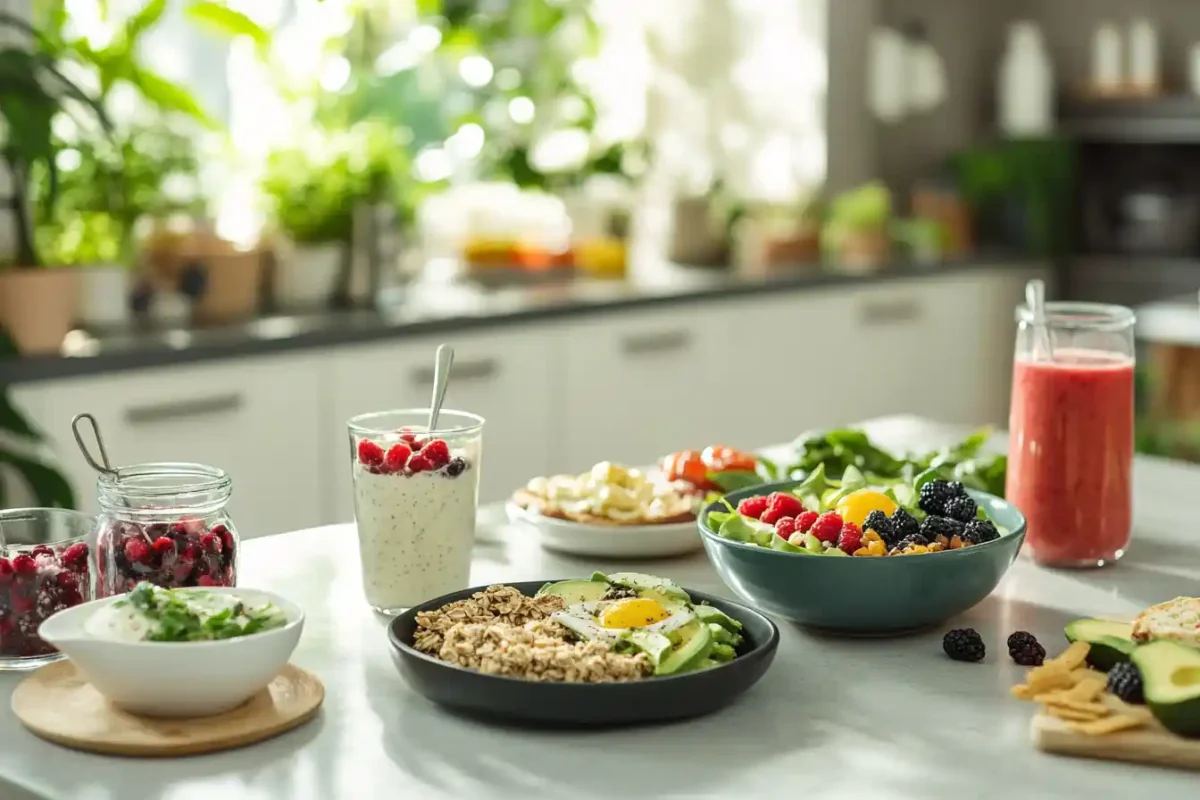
(427, 308)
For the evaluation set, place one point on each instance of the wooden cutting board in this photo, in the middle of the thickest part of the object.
(1149, 745)
(57, 703)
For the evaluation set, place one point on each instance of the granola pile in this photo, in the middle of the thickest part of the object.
(500, 631)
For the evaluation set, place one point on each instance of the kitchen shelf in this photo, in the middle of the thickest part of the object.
(1172, 119)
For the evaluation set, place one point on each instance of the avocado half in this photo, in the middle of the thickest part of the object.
(1171, 682)
(1111, 642)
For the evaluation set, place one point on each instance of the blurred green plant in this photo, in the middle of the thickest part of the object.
(1021, 193)
(144, 165)
(314, 190)
(32, 91)
(21, 448)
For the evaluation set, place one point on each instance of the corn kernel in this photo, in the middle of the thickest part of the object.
(871, 536)
(862, 551)
(937, 547)
(877, 548)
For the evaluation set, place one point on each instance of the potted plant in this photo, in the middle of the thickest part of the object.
(856, 228)
(314, 193)
(107, 180)
(37, 305)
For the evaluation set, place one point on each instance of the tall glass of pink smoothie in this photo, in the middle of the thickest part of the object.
(1070, 464)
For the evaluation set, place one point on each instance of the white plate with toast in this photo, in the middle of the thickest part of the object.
(606, 540)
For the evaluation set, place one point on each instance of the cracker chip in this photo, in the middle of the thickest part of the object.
(1074, 715)
(1021, 692)
(1100, 727)
(1074, 655)
(1095, 709)
(1049, 676)
(1089, 688)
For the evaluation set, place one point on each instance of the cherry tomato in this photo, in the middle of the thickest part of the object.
(686, 465)
(719, 458)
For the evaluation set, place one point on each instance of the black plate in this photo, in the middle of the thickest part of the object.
(585, 704)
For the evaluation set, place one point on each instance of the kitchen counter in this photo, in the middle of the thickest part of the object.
(433, 307)
(853, 718)
(1173, 322)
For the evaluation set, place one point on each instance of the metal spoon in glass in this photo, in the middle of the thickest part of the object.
(441, 377)
(104, 465)
(1035, 298)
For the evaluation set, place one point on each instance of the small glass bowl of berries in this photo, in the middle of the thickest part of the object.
(46, 565)
(166, 523)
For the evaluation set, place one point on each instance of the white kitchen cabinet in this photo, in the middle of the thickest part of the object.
(505, 376)
(257, 418)
(644, 383)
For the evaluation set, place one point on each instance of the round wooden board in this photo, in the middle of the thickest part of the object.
(57, 703)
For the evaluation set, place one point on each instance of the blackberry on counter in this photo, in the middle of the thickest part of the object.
(933, 527)
(964, 644)
(961, 508)
(878, 521)
(904, 523)
(1025, 649)
(981, 531)
(1125, 682)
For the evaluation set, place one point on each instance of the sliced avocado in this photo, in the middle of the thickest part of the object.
(722, 652)
(720, 634)
(783, 545)
(812, 543)
(575, 591)
(1111, 641)
(836, 551)
(653, 644)
(764, 538)
(713, 614)
(1171, 682)
(649, 583)
(736, 529)
(693, 643)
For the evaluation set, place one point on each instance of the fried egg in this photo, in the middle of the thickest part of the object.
(613, 620)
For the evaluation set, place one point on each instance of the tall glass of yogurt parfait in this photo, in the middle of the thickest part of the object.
(415, 493)
(1071, 434)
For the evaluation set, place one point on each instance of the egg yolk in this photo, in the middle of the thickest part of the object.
(634, 612)
(855, 506)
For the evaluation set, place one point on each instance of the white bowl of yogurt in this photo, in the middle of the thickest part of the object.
(107, 641)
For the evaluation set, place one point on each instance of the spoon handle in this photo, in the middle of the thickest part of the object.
(441, 377)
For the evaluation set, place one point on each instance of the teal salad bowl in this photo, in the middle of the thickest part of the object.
(864, 596)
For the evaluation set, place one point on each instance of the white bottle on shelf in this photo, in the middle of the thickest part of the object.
(1026, 90)
(1143, 56)
(1106, 59)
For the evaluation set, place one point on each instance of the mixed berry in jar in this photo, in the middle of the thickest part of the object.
(165, 523)
(45, 567)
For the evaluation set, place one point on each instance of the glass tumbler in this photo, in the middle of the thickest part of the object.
(1070, 468)
(415, 493)
(45, 567)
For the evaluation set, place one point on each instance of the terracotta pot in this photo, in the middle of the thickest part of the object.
(864, 251)
(231, 287)
(38, 307)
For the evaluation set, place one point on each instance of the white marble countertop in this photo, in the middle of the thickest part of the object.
(833, 718)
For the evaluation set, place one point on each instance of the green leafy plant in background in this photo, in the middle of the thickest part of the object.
(117, 178)
(20, 443)
(313, 191)
(32, 91)
(1021, 192)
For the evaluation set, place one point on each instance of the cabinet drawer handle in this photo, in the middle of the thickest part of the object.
(889, 312)
(479, 370)
(660, 342)
(182, 409)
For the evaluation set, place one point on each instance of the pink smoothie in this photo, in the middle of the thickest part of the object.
(1071, 455)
